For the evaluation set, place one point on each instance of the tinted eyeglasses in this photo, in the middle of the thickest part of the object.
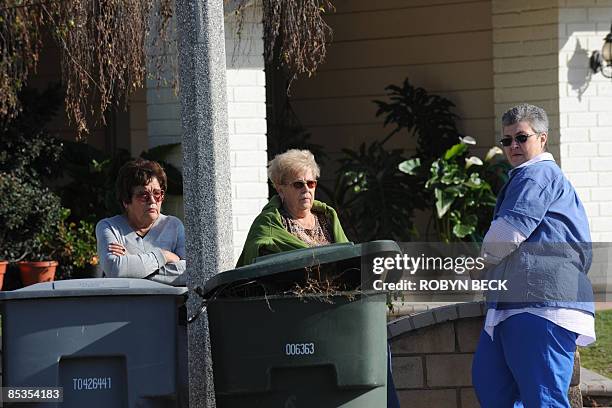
(522, 138)
(145, 196)
(298, 185)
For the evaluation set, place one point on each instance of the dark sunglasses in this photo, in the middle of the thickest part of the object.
(298, 185)
(145, 196)
(507, 141)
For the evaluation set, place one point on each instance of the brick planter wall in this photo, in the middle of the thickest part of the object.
(432, 357)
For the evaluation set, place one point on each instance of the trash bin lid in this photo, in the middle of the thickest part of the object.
(93, 287)
(300, 258)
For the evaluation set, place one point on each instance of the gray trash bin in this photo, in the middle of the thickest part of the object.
(110, 343)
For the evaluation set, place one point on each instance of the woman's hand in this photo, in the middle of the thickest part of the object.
(117, 249)
(170, 256)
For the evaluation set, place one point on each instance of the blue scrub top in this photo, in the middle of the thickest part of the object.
(549, 268)
(542, 205)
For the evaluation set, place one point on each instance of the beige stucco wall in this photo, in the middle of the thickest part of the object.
(525, 37)
(442, 46)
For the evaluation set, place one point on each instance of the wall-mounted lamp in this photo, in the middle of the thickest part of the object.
(602, 61)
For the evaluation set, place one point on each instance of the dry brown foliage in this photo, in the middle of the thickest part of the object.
(19, 49)
(323, 286)
(102, 45)
(299, 31)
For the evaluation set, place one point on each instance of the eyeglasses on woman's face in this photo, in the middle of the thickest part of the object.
(299, 184)
(521, 138)
(144, 196)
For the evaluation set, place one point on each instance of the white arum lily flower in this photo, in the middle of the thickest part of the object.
(468, 140)
(494, 151)
(473, 160)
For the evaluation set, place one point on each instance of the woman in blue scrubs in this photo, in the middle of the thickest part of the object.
(539, 240)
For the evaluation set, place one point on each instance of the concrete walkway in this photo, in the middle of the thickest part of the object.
(595, 387)
(592, 383)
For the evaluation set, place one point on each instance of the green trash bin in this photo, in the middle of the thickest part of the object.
(293, 330)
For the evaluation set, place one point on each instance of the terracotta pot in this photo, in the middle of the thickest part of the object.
(3, 265)
(36, 272)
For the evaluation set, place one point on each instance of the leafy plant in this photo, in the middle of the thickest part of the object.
(463, 198)
(29, 211)
(374, 198)
(45, 245)
(377, 190)
(428, 117)
(78, 246)
(30, 215)
(15, 203)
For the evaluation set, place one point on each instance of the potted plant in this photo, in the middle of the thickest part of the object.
(16, 204)
(31, 216)
(45, 247)
(40, 265)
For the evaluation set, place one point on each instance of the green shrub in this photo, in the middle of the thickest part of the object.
(31, 215)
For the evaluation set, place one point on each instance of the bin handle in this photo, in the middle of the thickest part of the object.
(200, 292)
(203, 307)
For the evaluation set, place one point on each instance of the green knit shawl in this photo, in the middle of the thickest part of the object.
(267, 232)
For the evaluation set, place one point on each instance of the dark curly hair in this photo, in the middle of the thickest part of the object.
(137, 173)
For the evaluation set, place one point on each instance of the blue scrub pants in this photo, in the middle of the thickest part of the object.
(528, 364)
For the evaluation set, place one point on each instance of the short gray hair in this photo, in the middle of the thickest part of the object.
(534, 115)
(291, 162)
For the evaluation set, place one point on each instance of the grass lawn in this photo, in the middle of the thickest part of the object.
(598, 356)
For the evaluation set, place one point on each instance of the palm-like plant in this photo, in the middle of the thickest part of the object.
(418, 113)
(374, 198)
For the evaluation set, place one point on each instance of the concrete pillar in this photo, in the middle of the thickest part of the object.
(206, 167)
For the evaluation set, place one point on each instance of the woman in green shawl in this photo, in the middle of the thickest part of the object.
(293, 219)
